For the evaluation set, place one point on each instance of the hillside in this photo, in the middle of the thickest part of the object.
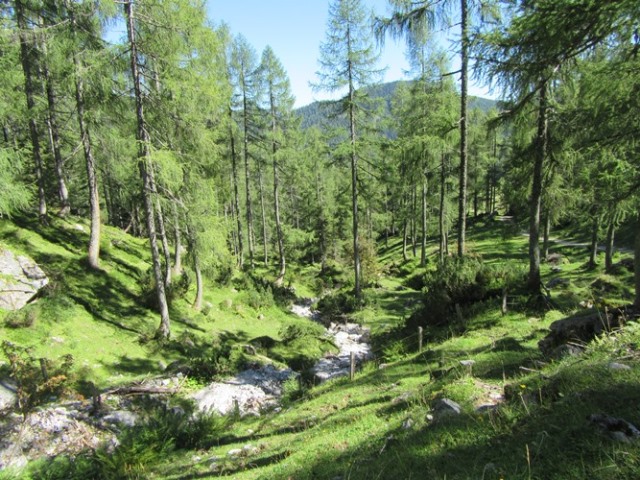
(323, 113)
(481, 400)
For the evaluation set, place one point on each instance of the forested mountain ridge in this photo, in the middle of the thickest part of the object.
(323, 113)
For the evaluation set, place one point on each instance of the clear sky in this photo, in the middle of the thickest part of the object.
(295, 29)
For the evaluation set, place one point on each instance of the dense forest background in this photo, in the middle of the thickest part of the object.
(182, 133)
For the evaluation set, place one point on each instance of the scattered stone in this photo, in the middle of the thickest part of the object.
(261, 316)
(58, 340)
(408, 424)
(619, 366)
(558, 282)
(556, 269)
(122, 418)
(617, 428)
(467, 363)
(445, 407)
(401, 399)
(20, 280)
(567, 350)
(581, 329)
(586, 304)
(78, 227)
(236, 452)
(8, 396)
(555, 259)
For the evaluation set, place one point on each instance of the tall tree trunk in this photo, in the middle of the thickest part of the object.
(247, 175)
(93, 251)
(414, 229)
(54, 139)
(354, 179)
(610, 247)
(27, 58)
(166, 250)
(442, 212)
(545, 236)
(636, 261)
(144, 166)
(265, 250)
(236, 193)
(462, 200)
(177, 241)
(276, 207)
(534, 281)
(423, 243)
(593, 248)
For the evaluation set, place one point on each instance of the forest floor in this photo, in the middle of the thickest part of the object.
(479, 401)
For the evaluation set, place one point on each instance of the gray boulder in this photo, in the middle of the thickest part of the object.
(8, 397)
(20, 280)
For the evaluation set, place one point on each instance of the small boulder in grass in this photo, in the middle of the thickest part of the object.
(617, 428)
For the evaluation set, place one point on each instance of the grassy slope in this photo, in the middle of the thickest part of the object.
(376, 426)
(98, 317)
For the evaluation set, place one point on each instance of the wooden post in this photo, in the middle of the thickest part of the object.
(352, 366)
(419, 339)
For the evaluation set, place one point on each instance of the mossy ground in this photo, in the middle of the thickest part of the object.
(379, 426)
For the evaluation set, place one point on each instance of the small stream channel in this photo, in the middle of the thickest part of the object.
(250, 391)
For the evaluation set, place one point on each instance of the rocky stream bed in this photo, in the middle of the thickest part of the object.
(67, 428)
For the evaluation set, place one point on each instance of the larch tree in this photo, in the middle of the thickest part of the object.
(348, 61)
(145, 167)
(279, 105)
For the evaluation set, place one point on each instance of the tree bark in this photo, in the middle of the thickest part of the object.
(28, 65)
(265, 249)
(462, 200)
(545, 236)
(354, 179)
(93, 251)
(54, 140)
(636, 262)
(144, 167)
(177, 240)
(442, 212)
(276, 200)
(593, 248)
(610, 247)
(236, 194)
(245, 121)
(533, 281)
(423, 243)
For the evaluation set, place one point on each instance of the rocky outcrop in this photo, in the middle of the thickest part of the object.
(20, 280)
(582, 329)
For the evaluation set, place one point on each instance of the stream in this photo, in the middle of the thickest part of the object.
(253, 390)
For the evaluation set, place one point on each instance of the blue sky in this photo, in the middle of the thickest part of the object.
(295, 29)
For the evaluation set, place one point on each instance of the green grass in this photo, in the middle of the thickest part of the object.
(380, 425)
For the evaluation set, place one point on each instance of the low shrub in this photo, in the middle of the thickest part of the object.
(24, 318)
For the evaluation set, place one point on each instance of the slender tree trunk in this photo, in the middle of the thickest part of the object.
(177, 241)
(414, 228)
(610, 247)
(462, 200)
(540, 155)
(93, 254)
(145, 175)
(354, 179)
(636, 261)
(264, 217)
(247, 175)
(27, 52)
(276, 208)
(236, 194)
(54, 140)
(545, 236)
(423, 243)
(442, 212)
(405, 228)
(166, 250)
(593, 249)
